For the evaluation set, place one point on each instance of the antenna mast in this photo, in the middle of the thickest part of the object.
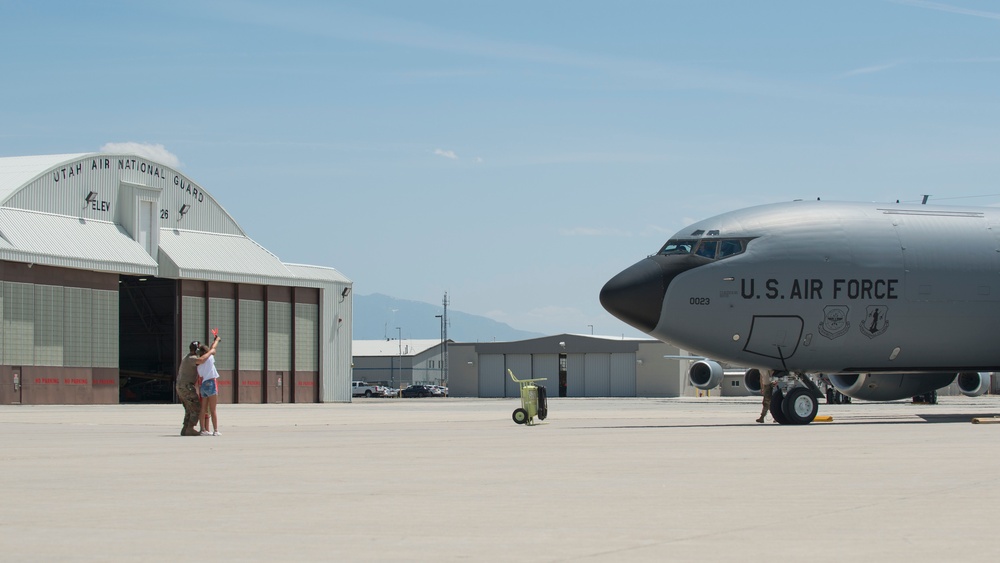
(444, 340)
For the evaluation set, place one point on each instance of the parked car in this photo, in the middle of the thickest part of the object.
(419, 391)
(363, 388)
(440, 390)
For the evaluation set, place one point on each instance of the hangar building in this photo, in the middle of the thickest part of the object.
(575, 365)
(110, 264)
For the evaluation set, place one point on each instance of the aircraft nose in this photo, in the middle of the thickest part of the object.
(636, 294)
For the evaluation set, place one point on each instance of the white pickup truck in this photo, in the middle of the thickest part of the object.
(362, 388)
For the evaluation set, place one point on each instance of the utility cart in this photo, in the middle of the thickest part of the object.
(533, 401)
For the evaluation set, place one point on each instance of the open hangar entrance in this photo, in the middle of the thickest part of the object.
(148, 352)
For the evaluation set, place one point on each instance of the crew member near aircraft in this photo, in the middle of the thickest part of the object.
(187, 391)
(766, 390)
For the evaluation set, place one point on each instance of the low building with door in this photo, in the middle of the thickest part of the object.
(574, 365)
(398, 363)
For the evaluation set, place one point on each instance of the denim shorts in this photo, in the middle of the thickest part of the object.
(209, 388)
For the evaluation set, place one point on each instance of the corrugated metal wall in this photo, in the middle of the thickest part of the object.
(622, 374)
(520, 364)
(576, 382)
(547, 366)
(491, 375)
(598, 375)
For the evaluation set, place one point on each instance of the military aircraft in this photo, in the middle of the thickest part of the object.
(887, 301)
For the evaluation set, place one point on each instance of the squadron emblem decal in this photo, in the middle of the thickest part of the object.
(875, 322)
(835, 323)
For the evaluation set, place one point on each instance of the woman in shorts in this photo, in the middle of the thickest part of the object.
(208, 385)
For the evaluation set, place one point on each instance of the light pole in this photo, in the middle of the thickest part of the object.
(441, 359)
(591, 329)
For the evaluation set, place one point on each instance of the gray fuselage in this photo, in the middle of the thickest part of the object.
(826, 287)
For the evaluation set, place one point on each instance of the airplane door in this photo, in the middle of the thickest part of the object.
(774, 336)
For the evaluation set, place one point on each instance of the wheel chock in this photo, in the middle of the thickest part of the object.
(986, 420)
(823, 419)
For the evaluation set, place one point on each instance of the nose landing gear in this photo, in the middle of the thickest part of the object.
(795, 400)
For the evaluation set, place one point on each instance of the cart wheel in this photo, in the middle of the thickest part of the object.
(520, 416)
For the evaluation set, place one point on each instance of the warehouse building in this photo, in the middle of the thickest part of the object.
(398, 363)
(574, 365)
(110, 264)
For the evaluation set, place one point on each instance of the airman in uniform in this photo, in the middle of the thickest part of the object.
(766, 390)
(187, 390)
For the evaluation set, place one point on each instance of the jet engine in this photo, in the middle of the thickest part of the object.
(891, 386)
(751, 380)
(706, 374)
(973, 384)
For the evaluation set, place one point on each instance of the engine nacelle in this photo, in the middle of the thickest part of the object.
(973, 384)
(706, 374)
(889, 386)
(751, 380)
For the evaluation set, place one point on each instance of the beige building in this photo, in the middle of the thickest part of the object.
(574, 365)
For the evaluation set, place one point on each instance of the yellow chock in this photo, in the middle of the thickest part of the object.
(823, 419)
(986, 420)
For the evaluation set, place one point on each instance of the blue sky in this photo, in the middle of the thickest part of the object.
(515, 154)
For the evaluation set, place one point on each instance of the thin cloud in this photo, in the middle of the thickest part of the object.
(883, 67)
(156, 152)
(347, 25)
(869, 69)
(948, 8)
(446, 154)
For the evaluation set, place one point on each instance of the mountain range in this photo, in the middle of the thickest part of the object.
(377, 316)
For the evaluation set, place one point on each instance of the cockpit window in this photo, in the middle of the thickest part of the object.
(678, 247)
(707, 248)
(729, 247)
(713, 249)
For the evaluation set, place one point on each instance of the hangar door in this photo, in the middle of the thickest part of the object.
(622, 378)
(491, 375)
(610, 375)
(547, 366)
(520, 364)
(598, 375)
(575, 380)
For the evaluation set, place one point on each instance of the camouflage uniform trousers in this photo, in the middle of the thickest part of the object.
(766, 392)
(188, 396)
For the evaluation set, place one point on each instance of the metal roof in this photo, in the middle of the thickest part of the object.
(70, 242)
(218, 257)
(317, 273)
(33, 229)
(16, 171)
(385, 348)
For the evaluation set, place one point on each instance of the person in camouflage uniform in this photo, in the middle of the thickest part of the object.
(187, 390)
(766, 390)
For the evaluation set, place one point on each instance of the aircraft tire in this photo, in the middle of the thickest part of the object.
(520, 416)
(800, 406)
(777, 402)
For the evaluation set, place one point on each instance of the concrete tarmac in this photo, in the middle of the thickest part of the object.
(456, 480)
